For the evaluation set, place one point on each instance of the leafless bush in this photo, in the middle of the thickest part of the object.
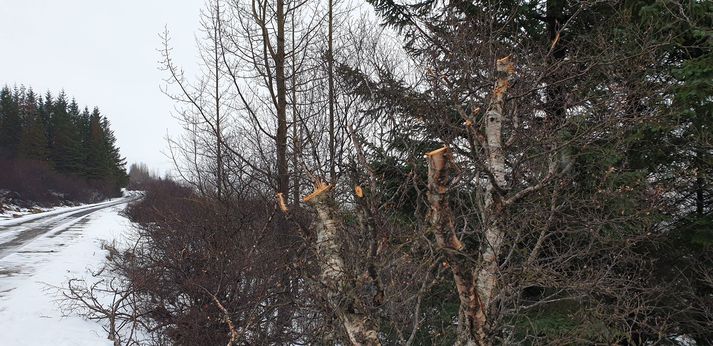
(109, 300)
(36, 181)
(199, 272)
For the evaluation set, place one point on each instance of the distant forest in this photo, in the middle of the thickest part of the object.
(52, 150)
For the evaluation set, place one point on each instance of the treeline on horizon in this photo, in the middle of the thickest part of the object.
(52, 150)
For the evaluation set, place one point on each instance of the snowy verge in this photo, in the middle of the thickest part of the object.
(61, 210)
(12, 211)
(31, 281)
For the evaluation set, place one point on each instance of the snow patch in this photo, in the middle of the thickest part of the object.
(32, 278)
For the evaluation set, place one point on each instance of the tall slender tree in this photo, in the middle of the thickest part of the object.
(10, 124)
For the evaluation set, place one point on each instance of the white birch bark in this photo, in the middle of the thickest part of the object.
(486, 277)
(340, 292)
(442, 225)
(476, 286)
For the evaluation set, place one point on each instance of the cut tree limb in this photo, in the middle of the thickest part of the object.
(442, 225)
(491, 246)
(340, 290)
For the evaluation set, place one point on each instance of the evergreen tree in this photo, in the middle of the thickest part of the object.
(116, 163)
(97, 165)
(65, 141)
(584, 73)
(679, 149)
(33, 144)
(84, 130)
(10, 124)
(46, 110)
(56, 132)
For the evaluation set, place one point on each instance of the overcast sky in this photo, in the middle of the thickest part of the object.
(103, 53)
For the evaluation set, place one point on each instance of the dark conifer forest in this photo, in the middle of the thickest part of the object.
(53, 150)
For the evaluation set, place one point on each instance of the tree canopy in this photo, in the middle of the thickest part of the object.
(54, 131)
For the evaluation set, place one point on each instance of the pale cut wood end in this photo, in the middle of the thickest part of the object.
(319, 189)
(281, 202)
(437, 152)
(359, 191)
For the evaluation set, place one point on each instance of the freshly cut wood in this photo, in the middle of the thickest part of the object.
(476, 284)
(281, 202)
(340, 291)
(358, 191)
(319, 189)
(442, 225)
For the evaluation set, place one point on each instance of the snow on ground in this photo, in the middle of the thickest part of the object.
(30, 311)
(11, 211)
(12, 214)
(36, 212)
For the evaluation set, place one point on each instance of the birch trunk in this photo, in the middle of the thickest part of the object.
(476, 286)
(340, 291)
(442, 225)
(487, 273)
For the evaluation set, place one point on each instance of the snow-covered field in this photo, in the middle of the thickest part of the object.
(32, 273)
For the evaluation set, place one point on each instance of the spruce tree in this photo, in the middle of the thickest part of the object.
(10, 124)
(33, 144)
(66, 144)
(679, 149)
(54, 131)
(116, 163)
(583, 74)
(97, 164)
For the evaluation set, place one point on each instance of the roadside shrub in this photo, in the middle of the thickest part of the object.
(36, 181)
(198, 263)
